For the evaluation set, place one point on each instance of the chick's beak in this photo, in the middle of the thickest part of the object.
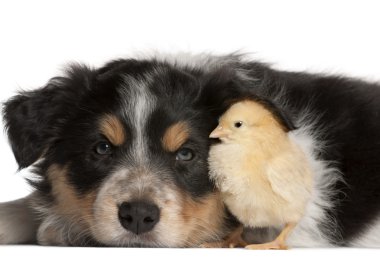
(219, 132)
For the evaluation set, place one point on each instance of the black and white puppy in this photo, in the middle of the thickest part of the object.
(120, 153)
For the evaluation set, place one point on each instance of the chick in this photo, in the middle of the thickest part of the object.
(263, 175)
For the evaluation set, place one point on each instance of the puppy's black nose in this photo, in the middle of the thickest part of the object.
(138, 217)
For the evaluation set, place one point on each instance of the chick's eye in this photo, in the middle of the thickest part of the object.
(238, 124)
(103, 148)
(184, 154)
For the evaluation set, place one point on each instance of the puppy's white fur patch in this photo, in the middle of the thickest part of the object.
(138, 107)
(311, 230)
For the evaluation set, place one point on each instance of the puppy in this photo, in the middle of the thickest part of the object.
(120, 153)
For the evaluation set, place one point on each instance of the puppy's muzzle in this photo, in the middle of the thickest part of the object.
(138, 217)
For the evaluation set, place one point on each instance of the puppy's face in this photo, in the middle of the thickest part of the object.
(123, 154)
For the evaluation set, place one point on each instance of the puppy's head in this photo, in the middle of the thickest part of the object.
(122, 156)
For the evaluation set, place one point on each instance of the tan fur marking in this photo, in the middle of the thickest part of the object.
(175, 136)
(67, 201)
(112, 128)
(204, 216)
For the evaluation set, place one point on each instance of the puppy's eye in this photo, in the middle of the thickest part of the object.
(184, 154)
(103, 148)
(238, 124)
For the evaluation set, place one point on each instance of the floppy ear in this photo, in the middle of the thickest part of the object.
(218, 89)
(224, 87)
(33, 119)
(282, 117)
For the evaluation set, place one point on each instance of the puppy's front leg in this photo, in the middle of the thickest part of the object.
(18, 223)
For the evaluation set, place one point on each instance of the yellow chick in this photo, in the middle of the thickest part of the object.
(263, 176)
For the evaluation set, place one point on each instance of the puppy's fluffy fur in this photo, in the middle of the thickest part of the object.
(133, 105)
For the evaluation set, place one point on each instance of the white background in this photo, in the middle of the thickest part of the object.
(37, 38)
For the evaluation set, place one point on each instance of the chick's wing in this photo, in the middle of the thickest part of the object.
(288, 178)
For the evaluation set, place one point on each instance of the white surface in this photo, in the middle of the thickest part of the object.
(57, 254)
(39, 37)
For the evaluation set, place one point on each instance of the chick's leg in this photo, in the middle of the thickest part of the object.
(234, 239)
(278, 243)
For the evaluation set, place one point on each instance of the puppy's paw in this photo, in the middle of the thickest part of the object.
(17, 223)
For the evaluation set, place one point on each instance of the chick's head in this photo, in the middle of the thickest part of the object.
(246, 122)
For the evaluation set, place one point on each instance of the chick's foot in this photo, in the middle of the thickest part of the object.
(278, 243)
(274, 245)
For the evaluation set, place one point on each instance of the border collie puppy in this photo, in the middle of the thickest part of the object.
(120, 153)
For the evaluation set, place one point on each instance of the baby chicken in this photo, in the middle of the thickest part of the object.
(263, 175)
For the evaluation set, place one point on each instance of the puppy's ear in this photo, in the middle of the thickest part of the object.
(226, 87)
(219, 88)
(33, 118)
(280, 115)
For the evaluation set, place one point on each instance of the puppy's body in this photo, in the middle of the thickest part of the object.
(336, 120)
(84, 182)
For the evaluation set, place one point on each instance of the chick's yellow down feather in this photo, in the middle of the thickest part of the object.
(264, 176)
